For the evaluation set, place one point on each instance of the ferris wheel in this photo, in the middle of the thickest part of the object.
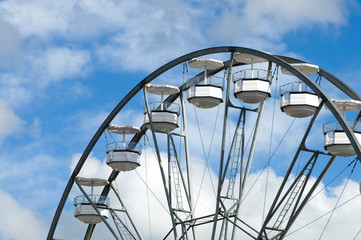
(233, 143)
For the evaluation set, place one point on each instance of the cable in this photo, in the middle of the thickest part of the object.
(146, 179)
(323, 215)
(124, 217)
(151, 147)
(271, 157)
(322, 190)
(206, 167)
(152, 192)
(332, 209)
(318, 80)
(357, 234)
(267, 163)
(331, 180)
(270, 146)
(324, 229)
(210, 144)
(246, 150)
(283, 137)
(206, 156)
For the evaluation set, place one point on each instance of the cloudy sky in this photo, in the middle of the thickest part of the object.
(64, 65)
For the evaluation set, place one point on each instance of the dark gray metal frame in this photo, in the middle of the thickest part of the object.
(278, 60)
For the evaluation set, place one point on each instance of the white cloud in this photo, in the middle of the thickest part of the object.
(18, 222)
(121, 38)
(271, 19)
(61, 63)
(36, 18)
(10, 50)
(31, 62)
(10, 122)
(84, 125)
(93, 168)
(68, 19)
(133, 36)
(33, 179)
(135, 41)
(148, 41)
(16, 96)
(47, 67)
(35, 128)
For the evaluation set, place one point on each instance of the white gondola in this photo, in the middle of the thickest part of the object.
(251, 85)
(122, 155)
(297, 100)
(164, 114)
(335, 138)
(208, 94)
(84, 210)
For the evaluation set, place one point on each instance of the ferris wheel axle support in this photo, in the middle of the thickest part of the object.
(234, 169)
(220, 183)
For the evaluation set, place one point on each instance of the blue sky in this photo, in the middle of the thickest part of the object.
(64, 65)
